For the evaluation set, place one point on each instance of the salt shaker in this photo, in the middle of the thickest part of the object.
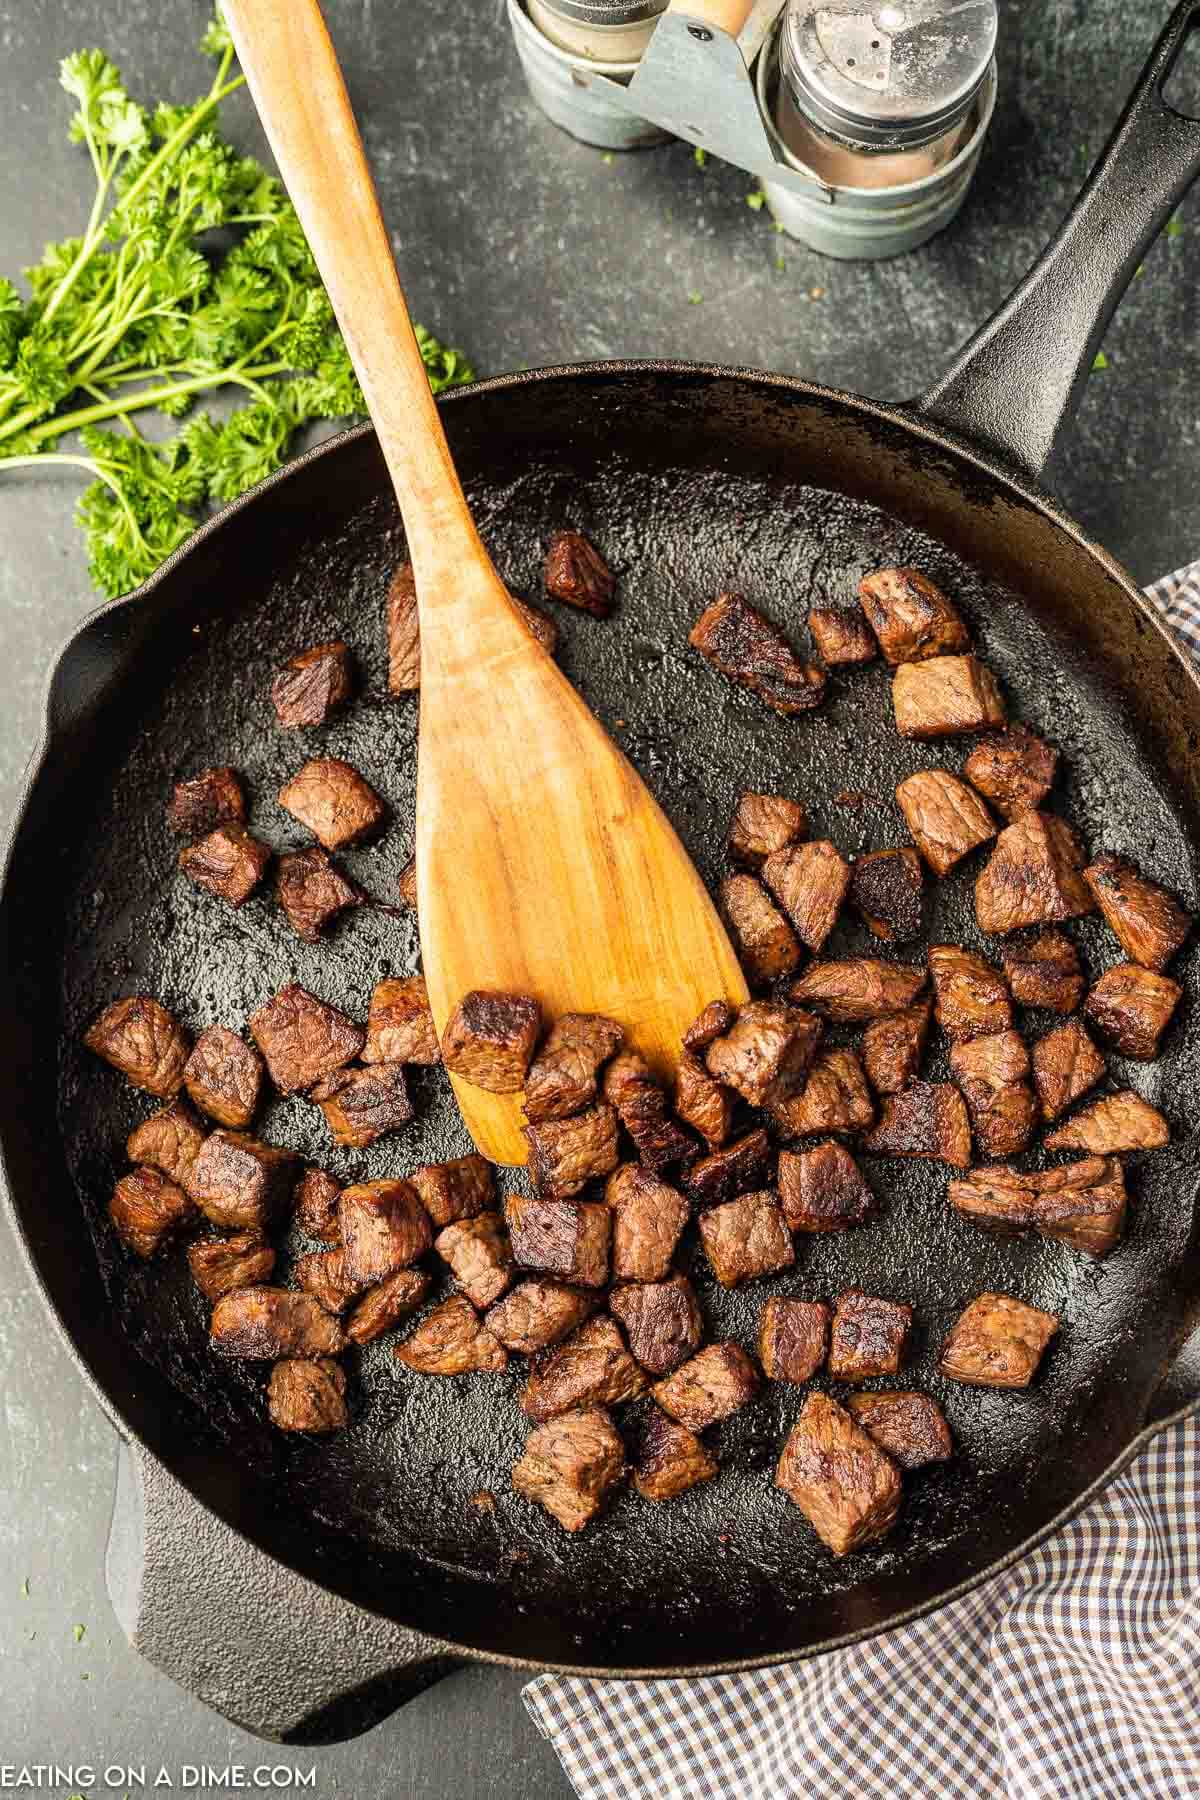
(564, 43)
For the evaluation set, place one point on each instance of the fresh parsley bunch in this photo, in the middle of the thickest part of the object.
(147, 309)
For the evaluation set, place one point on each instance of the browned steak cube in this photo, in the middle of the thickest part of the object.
(1066, 1065)
(312, 891)
(302, 1038)
(406, 885)
(744, 646)
(946, 819)
(263, 1323)
(765, 943)
(575, 572)
(224, 1077)
(642, 1108)
(947, 695)
(701, 1102)
(912, 618)
(911, 1427)
(970, 997)
(1111, 1124)
(746, 1238)
(168, 1140)
(810, 882)
(1150, 923)
(823, 1189)
(860, 988)
(363, 1105)
(1033, 877)
(570, 1466)
(671, 1459)
(767, 1053)
(540, 624)
(212, 798)
(927, 1120)
(228, 863)
(312, 685)
(490, 1038)
(219, 1265)
(565, 1154)
(868, 1336)
(892, 1047)
(322, 1273)
(834, 1098)
(384, 1228)
(239, 1183)
(536, 1314)
(403, 632)
(569, 1238)
(841, 635)
(793, 1338)
(146, 1209)
(997, 1342)
(453, 1340)
(141, 1039)
(307, 1395)
(1045, 972)
(593, 1368)
(648, 1221)
(1082, 1204)
(763, 823)
(735, 1169)
(661, 1319)
(1131, 1007)
(993, 1073)
(400, 1027)
(330, 798)
(714, 1384)
(887, 888)
(1015, 770)
(386, 1304)
(455, 1190)
(711, 1024)
(478, 1252)
(315, 1206)
(562, 1076)
(845, 1485)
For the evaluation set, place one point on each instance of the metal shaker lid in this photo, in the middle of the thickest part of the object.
(607, 12)
(894, 75)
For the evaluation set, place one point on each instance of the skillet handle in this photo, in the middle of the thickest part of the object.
(1018, 381)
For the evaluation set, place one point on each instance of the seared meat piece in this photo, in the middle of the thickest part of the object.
(841, 636)
(453, 1340)
(767, 1053)
(1150, 923)
(712, 1023)
(384, 1228)
(970, 997)
(1132, 1007)
(997, 1342)
(834, 1098)
(912, 618)
(312, 685)
(212, 798)
(219, 1265)
(562, 1076)
(224, 1077)
(823, 1189)
(322, 1273)
(793, 1337)
(407, 883)
(330, 798)
(857, 989)
(1045, 972)
(302, 1038)
(993, 1073)
(766, 945)
(570, 1466)
(911, 1427)
(810, 881)
(887, 887)
(312, 891)
(363, 1105)
(140, 1037)
(268, 1322)
(892, 1047)
(315, 1206)
(1066, 1064)
(671, 1459)
(762, 824)
(1014, 770)
(540, 624)
(478, 1252)
(648, 1222)
(735, 1169)
(927, 1120)
(304, 1395)
(661, 1319)
(565, 1154)
(400, 1027)
(946, 819)
(868, 1336)
(576, 573)
(536, 1314)
(168, 1140)
(947, 695)
(454, 1190)
(490, 1038)
(569, 1238)
(1082, 1204)
(593, 1368)
(386, 1304)
(702, 1102)
(746, 1238)
(845, 1485)
(146, 1209)
(743, 645)
(228, 863)
(642, 1108)
(714, 1384)
(1033, 877)
(403, 632)
(1113, 1123)
(239, 1183)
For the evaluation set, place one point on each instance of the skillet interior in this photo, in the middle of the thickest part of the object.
(691, 481)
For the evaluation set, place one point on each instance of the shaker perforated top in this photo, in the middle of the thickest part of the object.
(607, 12)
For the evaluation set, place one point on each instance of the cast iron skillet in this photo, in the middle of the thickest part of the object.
(692, 479)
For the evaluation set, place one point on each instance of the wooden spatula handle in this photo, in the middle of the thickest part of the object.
(726, 15)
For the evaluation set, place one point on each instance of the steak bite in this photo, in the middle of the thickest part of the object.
(264, 1323)
(142, 1039)
(239, 1183)
(735, 1169)
(1150, 923)
(330, 798)
(793, 1338)
(490, 1038)
(453, 1340)
(997, 1342)
(363, 1105)
(384, 1228)
(315, 1206)
(1015, 770)
(322, 1273)
(562, 1076)
(642, 1108)
(212, 798)
(746, 1238)
(575, 572)
(716, 1019)
(1131, 1007)
(648, 1221)
(868, 1336)
(892, 1047)
(714, 1384)
(168, 1140)
(219, 1265)
(536, 1314)
(860, 988)
(224, 1077)
(912, 618)
(762, 824)
(823, 1189)
(593, 1368)
(228, 863)
(1111, 1124)
(927, 1120)
(845, 1485)
(312, 891)
(947, 695)
(455, 1190)
(478, 1252)
(570, 1466)
(403, 632)
(970, 997)
(400, 1027)
(834, 1098)
(568, 1238)
(767, 1053)
(1034, 876)
(911, 1427)
(993, 1073)
(406, 883)
(887, 888)
(810, 882)
(307, 1395)
(661, 1319)
(701, 1102)
(146, 1209)
(1045, 972)
(302, 1038)
(841, 635)
(671, 1459)
(565, 1154)
(765, 943)
(312, 685)
(947, 821)
(748, 649)
(1066, 1065)
(1082, 1204)
(386, 1304)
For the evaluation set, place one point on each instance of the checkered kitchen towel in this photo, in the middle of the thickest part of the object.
(1074, 1675)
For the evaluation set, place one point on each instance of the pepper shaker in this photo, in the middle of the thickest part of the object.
(563, 44)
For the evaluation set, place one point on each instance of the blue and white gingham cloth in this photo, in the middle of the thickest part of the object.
(1074, 1675)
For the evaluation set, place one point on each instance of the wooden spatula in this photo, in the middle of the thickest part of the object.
(544, 866)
